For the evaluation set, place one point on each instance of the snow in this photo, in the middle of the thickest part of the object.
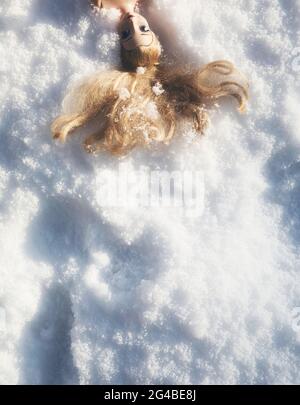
(94, 295)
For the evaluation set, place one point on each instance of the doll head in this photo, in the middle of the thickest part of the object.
(140, 47)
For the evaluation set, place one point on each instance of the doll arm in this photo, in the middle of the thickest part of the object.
(95, 3)
(221, 79)
(124, 5)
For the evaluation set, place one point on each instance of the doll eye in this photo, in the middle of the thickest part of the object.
(144, 28)
(125, 34)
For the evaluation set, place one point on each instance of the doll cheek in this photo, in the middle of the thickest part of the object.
(148, 41)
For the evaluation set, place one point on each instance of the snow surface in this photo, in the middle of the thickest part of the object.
(94, 295)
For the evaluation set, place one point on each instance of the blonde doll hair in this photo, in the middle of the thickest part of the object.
(130, 113)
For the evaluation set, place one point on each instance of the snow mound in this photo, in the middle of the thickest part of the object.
(94, 295)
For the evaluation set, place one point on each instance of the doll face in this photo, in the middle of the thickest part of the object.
(134, 31)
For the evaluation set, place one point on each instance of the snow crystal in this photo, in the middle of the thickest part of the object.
(124, 93)
(140, 70)
(158, 89)
(151, 110)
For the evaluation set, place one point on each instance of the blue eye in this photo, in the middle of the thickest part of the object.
(144, 28)
(125, 34)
